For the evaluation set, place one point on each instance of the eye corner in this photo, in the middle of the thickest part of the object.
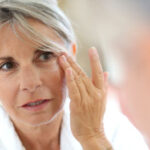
(12, 64)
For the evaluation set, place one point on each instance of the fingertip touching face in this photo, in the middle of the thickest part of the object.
(32, 88)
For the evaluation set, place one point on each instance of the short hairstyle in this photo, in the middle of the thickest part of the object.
(45, 11)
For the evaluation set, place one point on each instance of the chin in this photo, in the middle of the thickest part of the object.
(42, 119)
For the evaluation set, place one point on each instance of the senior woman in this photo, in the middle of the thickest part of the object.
(36, 67)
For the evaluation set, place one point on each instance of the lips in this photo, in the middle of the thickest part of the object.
(35, 103)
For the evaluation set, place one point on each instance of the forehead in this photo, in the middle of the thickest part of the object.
(8, 38)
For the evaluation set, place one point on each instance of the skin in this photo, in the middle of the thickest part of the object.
(88, 99)
(33, 79)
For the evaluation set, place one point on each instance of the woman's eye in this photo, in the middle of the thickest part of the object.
(46, 56)
(7, 66)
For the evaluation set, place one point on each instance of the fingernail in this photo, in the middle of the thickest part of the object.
(65, 54)
(94, 51)
(63, 58)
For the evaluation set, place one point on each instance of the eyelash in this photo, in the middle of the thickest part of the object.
(49, 54)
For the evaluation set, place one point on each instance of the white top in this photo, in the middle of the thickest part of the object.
(119, 131)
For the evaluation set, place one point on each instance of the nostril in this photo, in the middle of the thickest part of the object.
(31, 88)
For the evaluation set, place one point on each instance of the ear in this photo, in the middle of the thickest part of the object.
(73, 49)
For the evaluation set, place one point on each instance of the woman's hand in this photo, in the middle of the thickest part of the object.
(88, 98)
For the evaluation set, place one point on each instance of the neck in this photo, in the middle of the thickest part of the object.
(42, 137)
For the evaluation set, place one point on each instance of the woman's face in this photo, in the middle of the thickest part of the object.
(27, 75)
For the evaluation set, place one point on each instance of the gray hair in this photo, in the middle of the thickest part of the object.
(47, 12)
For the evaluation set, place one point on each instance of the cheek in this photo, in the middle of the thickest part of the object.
(8, 89)
(54, 79)
(51, 75)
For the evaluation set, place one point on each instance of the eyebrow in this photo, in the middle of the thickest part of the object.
(39, 49)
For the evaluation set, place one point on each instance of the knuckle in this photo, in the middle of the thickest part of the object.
(80, 72)
(99, 95)
(75, 95)
(78, 79)
(100, 75)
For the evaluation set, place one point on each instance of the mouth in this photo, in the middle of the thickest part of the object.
(36, 105)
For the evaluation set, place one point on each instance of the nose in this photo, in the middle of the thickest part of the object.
(29, 79)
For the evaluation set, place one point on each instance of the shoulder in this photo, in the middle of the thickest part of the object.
(8, 136)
